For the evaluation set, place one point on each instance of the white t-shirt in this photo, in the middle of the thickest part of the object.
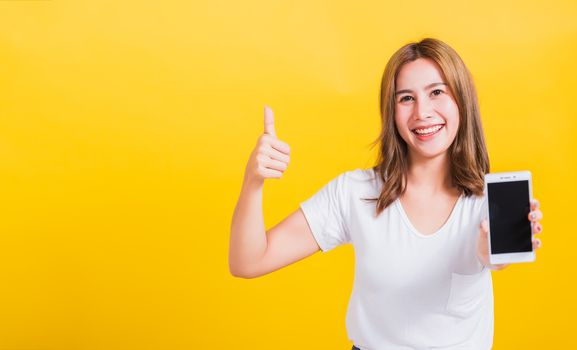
(411, 291)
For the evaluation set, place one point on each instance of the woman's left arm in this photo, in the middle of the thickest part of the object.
(483, 244)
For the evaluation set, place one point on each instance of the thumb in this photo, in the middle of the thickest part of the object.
(269, 121)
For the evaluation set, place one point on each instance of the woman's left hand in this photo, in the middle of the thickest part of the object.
(483, 244)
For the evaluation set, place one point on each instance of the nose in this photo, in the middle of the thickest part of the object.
(423, 109)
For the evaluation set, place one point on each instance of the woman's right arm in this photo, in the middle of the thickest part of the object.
(253, 251)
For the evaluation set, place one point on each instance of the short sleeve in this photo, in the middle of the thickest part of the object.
(326, 213)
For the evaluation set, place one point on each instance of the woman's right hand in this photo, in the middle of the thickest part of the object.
(270, 157)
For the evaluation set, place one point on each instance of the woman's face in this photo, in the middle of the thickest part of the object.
(426, 114)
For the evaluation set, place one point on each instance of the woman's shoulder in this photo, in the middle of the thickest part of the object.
(354, 180)
(360, 182)
(359, 174)
(359, 177)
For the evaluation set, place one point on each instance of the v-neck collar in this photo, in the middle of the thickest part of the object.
(436, 233)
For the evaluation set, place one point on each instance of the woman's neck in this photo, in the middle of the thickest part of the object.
(430, 176)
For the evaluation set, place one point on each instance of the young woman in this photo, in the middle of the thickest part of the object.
(416, 219)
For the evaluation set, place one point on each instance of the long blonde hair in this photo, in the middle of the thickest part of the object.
(469, 161)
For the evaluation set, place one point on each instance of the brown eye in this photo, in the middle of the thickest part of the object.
(403, 99)
(439, 90)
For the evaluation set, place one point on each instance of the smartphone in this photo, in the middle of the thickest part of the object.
(508, 197)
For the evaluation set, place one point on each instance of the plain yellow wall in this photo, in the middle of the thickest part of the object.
(125, 128)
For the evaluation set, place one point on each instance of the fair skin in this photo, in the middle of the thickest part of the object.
(424, 102)
(255, 252)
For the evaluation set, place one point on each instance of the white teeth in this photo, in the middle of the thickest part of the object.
(428, 130)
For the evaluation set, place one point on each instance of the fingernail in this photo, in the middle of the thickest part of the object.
(533, 215)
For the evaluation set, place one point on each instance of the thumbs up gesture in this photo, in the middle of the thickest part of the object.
(270, 157)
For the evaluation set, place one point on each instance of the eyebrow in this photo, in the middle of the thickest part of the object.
(426, 87)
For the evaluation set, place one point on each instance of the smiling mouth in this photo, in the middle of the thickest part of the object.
(428, 131)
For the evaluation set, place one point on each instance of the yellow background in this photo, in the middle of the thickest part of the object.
(125, 128)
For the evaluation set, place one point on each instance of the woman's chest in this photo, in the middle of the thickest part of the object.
(393, 260)
(390, 255)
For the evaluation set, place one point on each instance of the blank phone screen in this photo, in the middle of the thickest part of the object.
(509, 209)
